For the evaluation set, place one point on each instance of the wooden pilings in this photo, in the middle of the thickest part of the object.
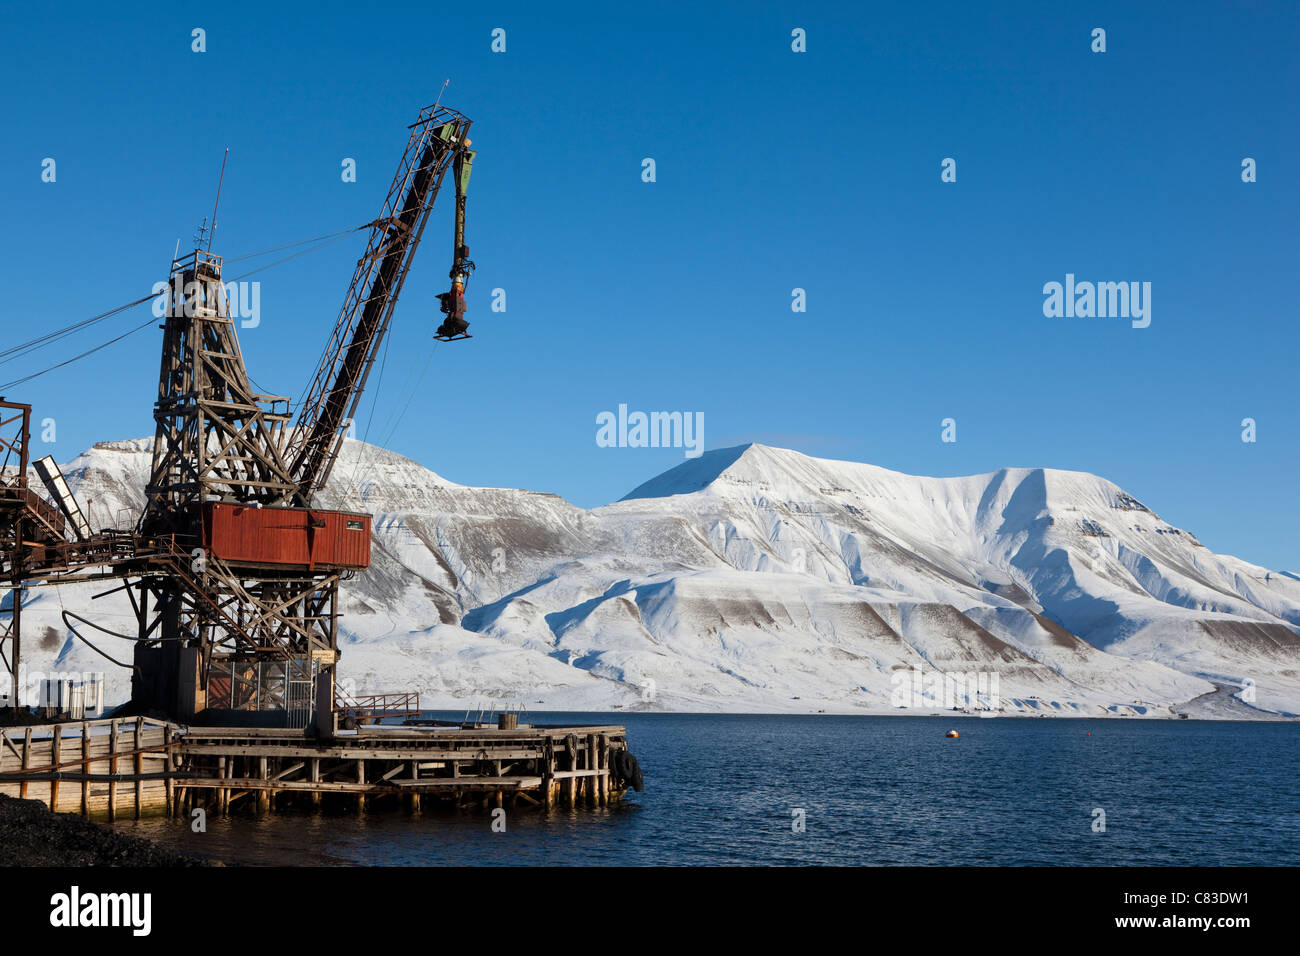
(26, 760)
(56, 751)
(169, 738)
(85, 783)
(112, 769)
(405, 766)
(413, 798)
(548, 774)
(139, 766)
(263, 793)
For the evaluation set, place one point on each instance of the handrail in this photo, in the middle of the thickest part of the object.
(373, 705)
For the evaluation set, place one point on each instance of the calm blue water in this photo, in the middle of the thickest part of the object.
(875, 790)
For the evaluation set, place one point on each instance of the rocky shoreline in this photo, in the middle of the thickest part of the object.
(30, 835)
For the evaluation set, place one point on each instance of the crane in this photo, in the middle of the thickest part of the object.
(439, 140)
(236, 574)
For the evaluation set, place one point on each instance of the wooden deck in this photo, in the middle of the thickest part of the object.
(107, 768)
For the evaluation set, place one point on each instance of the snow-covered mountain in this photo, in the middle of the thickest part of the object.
(759, 579)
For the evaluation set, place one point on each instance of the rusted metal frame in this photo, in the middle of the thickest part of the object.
(16, 445)
(265, 455)
(247, 598)
(311, 408)
(193, 388)
(233, 375)
(239, 597)
(273, 611)
(37, 515)
(174, 472)
(195, 590)
(18, 556)
(341, 377)
(276, 650)
(193, 373)
(440, 162)
(244, 428)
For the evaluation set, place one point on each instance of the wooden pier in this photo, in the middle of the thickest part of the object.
(110, 768)
(103, 769)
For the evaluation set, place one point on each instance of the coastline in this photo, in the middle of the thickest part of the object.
(31, 835)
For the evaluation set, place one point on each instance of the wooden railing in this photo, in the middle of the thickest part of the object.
(378, 706)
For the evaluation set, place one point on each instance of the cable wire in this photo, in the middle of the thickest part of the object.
(18, 351)
(76, 358)
(300, 242)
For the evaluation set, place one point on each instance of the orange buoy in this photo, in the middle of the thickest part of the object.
(951, 733)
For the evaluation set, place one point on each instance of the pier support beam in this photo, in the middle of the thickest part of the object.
(168, 738)
(602, 763)
(112, 769)
(223, 794)
(57, 746)
(85, 769)
(263, 795)
(137, 744)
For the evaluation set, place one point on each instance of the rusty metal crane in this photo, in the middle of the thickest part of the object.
(234, 574)
(439, 140)
(231, 571)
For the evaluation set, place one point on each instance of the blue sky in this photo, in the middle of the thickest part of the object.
(775, 170)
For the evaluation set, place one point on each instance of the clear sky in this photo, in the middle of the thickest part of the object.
(775, 170)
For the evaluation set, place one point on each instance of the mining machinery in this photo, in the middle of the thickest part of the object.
(232, 570)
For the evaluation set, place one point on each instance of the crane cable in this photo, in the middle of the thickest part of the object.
(16, 351)
(300, 242)
(374, 400)
(337, 237)
(77, 358)
(364, 462)
(19, 351)
(77, 634)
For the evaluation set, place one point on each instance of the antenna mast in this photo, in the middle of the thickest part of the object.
(213, 231)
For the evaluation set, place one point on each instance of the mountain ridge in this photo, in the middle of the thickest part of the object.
(758, 578)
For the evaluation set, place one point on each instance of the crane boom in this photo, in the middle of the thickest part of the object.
(438, 141)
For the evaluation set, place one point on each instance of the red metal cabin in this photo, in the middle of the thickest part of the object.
(293, 536)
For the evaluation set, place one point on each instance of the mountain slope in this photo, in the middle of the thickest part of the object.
(756, 578)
